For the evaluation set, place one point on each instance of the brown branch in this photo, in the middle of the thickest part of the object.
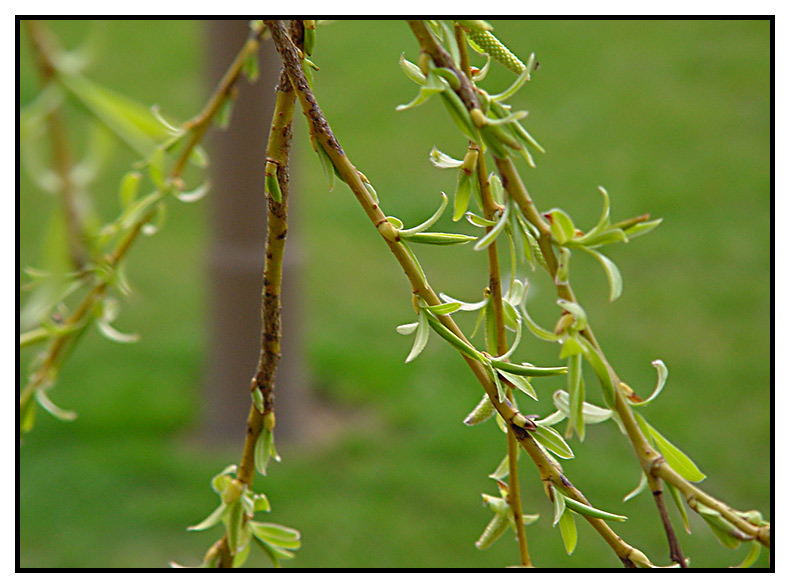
(322, 133)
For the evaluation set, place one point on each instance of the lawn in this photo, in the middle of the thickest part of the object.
(672, 117)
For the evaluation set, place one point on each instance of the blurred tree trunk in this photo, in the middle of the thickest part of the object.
(236, 253)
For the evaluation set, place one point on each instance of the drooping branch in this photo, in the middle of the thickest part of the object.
(518, 423)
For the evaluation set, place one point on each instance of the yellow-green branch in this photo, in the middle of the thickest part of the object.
(322, 133)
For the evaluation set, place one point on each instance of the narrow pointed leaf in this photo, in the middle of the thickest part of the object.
(210, 520)
(681, 504)
(589, 511)
(480, 413)
(612, 274)
(552, 441)
(676, 459)
(420, 339)
(663, 373)
(412, 71)
(443, 161)
(520, 382)
(568, 531)
(641, 487)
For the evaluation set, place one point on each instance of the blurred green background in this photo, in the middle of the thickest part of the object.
(672, 117)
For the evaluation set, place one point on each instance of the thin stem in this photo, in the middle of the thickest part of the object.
(648, 456)
(197, 127)
(277, 153)
(490, 208)
(322, 132)
(44, 49)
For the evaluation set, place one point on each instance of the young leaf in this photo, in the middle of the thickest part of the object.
(412, 71)
(210, 520)
(520, 382)
(641, 487)
(612, 274)
(663, 373)
(427, 224)
(480, 413)
(463, 191)
(676, 459)
(528, 370)
(751, 557)
(421, 338)
(589, 511)
(433, 85)
(552, 441)
(681, 504)
(592, 414)
(562, 228)
(576, 394)
(568, 531)
(443, 161)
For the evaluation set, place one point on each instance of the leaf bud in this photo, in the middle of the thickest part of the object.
(478, 118)
(232, 492)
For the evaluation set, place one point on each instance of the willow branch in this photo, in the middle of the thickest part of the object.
(490, 208)
(322, 133)
(83, 313)
(651, 461)
(44, 50)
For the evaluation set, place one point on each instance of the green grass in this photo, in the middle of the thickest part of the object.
(672, 117)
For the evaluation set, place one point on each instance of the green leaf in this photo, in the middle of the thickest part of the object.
(681, 504)
(492, 234)
(277, 535)
(529, 370)
(129, 188)
(552, 441)
(519, 382)
(568, 531)
(480, 413)
(676, 459)
(428, 223)
(210, 520)
(131, 121)
(442, 160)
(589, 511)
(594, 358)
(612, 274)
(57, 412)
(433, 85)
(446, 308)
(663, 373)
(326, 165)
(751, 557)
(503, 469)
(412, 71)
(727, 533)
(443, 239)
(640, 229)
(463, 191)
(559, 506)
(641, 487)
(453, 339)
(576, 394)
(562, 228)
(407, 329)
(514, 87)
(493, 531)
(234, 524)
(421, 338)
(592, 413)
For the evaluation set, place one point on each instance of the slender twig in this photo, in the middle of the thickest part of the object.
(518, 423)
(277, 153)
(490, 208)
(651, 461)
(44, 50)
(196, 127)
